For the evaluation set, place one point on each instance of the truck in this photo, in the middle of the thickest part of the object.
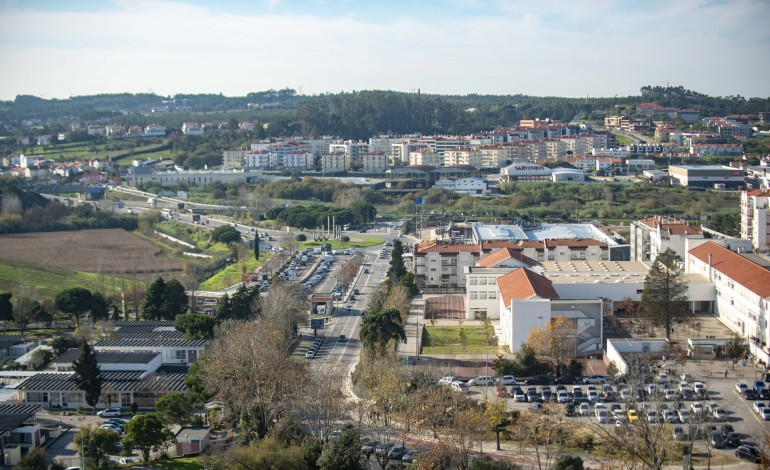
(153, 201)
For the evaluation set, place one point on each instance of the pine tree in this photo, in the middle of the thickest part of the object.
(256, 245)
(152, 306)
(664, 298)
(397, 268)
(88, 375)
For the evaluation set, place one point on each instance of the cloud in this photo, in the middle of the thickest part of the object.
(602, 48)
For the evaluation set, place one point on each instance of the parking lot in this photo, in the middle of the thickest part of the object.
(690, 400)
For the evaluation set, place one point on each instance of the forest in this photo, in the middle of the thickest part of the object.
(359, 114)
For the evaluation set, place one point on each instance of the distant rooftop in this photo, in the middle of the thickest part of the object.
(544, 232)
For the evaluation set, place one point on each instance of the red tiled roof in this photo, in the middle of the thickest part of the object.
(758, 193)
(502, 255)
(435, 247)
(522, 283)
(741, 270)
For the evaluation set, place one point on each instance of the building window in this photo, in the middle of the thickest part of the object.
(180, 355)
(473, 296)
(482, 281)
(482, 296)
(493, 295)
(473, 281)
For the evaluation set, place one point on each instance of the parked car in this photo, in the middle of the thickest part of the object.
(765, 413)
(506, 380)
(566, 380)
(758, 405)
(732, 439)
(750, 394)
(342, 339)
(110, 413)
(671, 417)
(652, 416)
(501, 391)
(310, 354)
(719, 414)
(584, 409)
(562, 397)
(717, 441)
(446, 380)
(397, 452)
(632, 416)
(383, 448)
(678, 433)
(482, 380)
(595, 379)
(749, 453)
(684, 416)
(663, 379)
(741, 387)
(460, 386)
(758, 385)
(537, 380)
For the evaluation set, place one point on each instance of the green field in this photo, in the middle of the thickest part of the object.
(231, 274)
(185, 463)
(52, 280)
(81, 150)
(446, 340)
(355, 242)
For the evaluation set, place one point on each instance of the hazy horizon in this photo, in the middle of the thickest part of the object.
(602, 48)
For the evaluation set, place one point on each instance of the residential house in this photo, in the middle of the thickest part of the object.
(192, 128)
(191, 440)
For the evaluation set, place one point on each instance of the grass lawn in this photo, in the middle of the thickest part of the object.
(185, 463)
(52, 280)
(355, 242)
(446, 340)
(231, 274)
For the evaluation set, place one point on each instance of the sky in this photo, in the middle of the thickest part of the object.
(570, 48)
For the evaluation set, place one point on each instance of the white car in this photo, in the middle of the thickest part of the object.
(670, 394)
(459, 386)
(447, 380)
(519, 396)
(125, 460)
(482, 380)
(602, 416)
(765, 413)
(110, 413)
(719, 414)
(593, 396)
(652, 416)
(697, 408)
(663, 379)
(741, 387)
(759, 406)
(684, 416)
(584, 409)
(506, 380)
(562, 397)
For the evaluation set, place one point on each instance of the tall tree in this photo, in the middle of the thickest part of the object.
(195, 326)
(88, 375)
(74, 302)
(147, 433)
(664, 299)
(99, 307)
(97, 445)
(256, 245)
(35, 460)
(380, 328)
(553, 343)
(6, 307)
(344, 453)
(174, 408)
(397, 268)
(152, 307)
(174, 301)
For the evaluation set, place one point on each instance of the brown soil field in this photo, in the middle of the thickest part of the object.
(102, 251)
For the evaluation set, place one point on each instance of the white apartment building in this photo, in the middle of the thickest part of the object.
(442, 144)
(704, 150)
(742, 288)
(755, 218)
(426, 156)
(374, 162)
(257, 159)
(297, 160)
(463, 156)
(402, 151)
(654, 235)
(353, 149)
(334, 162)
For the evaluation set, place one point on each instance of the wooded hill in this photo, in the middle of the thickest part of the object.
(358, 114)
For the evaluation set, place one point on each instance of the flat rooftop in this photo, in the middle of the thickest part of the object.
(544, 232)
(595, 272)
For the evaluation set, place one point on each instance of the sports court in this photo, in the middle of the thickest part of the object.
(445, 307)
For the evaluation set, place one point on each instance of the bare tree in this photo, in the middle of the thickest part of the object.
(283, 308)
(322, 404)
(542, 435)
(554, 343)
(250, 369)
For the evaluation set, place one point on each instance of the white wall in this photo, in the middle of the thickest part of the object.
(527, 314)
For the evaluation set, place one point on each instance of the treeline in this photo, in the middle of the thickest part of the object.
(23, 211)
(311, 217)
(359, 115)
